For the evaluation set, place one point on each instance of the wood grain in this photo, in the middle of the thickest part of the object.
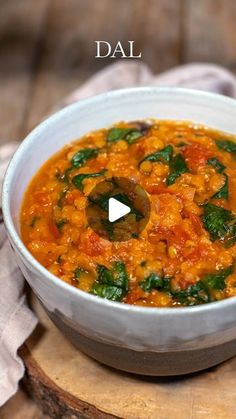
(210, 32)
(21, 406)
(69, 384)
(68, 56)
(21, 26)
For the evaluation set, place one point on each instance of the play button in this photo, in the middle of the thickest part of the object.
(118, 209)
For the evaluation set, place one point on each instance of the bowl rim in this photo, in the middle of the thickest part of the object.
(41, 270)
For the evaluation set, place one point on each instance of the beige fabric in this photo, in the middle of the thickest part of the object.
(16, 320)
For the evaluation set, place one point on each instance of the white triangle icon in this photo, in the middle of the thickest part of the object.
(116, 209)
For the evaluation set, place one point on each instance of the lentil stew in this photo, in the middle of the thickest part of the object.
(186, 253)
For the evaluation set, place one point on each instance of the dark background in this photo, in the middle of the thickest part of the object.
(47, 49)
(47, 46)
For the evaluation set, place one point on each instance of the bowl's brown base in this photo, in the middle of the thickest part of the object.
(146, 363)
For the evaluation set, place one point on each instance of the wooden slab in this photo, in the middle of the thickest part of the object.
(69, 384)
(21, 29)
(68, 50)
(209, 32)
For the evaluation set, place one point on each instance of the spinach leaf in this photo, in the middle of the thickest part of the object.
(83, 155)
(216, 280)
(164, 155)
(128, 134)
(220, 223)
(112, 284)
(120, 275)
(60, 200)
(78, 179)
(226, 145)
(133, 136)
(105, 275)
(61, 223)
(177, 168)
(200, 292)
(219, 167)
(223, 193)
(230, 238)
(194, 294)
(110, 292)
(153, 281)
(116, 276)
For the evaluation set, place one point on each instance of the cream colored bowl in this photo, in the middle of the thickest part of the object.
(153, 341)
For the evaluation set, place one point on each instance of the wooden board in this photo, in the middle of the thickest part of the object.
(69, 384)
(68, 51)
(21, 29)
(210, 32)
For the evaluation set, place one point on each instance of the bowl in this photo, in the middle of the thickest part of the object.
(142, 340)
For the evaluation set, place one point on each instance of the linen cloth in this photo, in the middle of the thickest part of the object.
(16, 320)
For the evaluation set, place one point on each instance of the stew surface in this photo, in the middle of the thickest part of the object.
(186, 253)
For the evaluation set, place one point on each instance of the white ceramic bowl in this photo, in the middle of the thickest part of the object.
(154, 341)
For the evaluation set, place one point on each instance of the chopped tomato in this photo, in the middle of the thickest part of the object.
(134, 295)
(92, 245)
(196, 156)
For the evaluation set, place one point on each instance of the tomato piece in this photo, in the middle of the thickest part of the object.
(71, 196)
(200, 252)
(196, 156)
(92, 245)
(159, 233)
(180, 236)
(196, 222)
(53, 229)
(134, 295)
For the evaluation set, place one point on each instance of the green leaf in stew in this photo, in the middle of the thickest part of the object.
(195, 294)
(226, 145)
(216, 280)
(223, 193)
(61, 197)
(83, 155)
(112, 284)
(110, 292)
(164, 155)
(152, 281)
(128, 134)
(218, 166)
(78, 179)
(220, 223)
(178, 166)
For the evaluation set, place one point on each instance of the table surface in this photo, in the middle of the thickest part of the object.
(47, 49)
